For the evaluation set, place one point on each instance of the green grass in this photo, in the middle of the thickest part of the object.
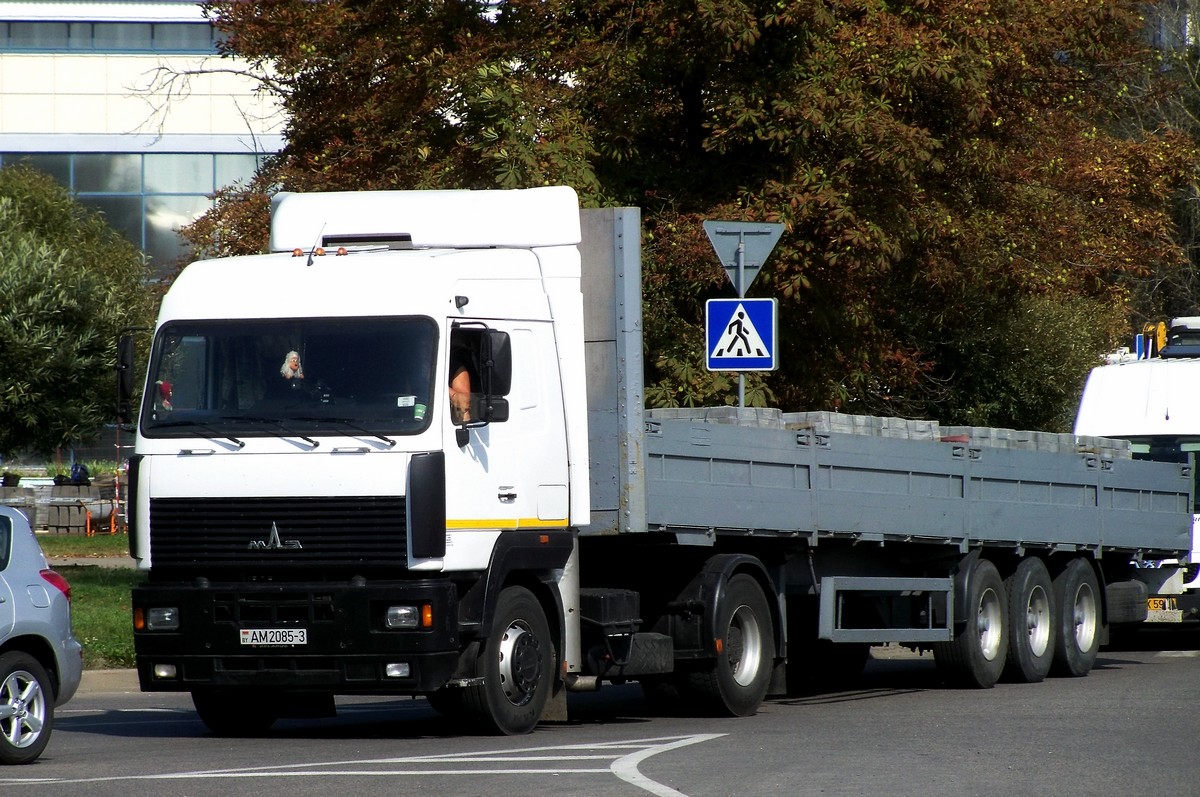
(100, 601)
(78, 545)
(100, 613)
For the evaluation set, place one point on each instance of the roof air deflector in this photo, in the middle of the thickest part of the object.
(399, 240)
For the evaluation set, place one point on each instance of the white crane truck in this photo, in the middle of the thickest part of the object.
(1148, 398)
(320, 507)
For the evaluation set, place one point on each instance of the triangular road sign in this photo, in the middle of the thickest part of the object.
(758, 237)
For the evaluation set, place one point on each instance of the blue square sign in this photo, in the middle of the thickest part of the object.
(741, 334)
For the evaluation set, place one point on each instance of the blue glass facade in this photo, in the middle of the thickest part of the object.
(148, 197)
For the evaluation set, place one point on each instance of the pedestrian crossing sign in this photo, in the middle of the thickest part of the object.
(741, 334)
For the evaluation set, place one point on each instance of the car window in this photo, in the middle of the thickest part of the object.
(5, 542)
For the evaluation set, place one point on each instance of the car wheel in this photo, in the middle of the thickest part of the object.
(26, 708)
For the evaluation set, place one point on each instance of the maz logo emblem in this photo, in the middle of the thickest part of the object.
(273, 543)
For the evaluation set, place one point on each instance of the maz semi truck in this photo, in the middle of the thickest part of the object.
(406, 453)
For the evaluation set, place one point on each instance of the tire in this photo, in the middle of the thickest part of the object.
(517, 665)
(1077, 641)
(1032, 620)
(976, 655)
(735, 682)
(228, 712)
(26, 708)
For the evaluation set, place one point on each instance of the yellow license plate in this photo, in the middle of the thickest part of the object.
(1160, 604)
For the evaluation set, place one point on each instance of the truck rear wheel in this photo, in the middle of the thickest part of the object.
(229, 712)
(517, 665)
(736, 681)
(976, 655)
(1077, 641)
(1031, 622)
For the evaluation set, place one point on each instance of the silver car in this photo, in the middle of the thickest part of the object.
(40, 659)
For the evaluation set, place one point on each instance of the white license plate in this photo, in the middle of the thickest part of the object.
(274, 636)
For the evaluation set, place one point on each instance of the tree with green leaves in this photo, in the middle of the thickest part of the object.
(69, 284)
(970, 206)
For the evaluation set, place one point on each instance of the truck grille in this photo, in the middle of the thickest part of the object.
(202, 533)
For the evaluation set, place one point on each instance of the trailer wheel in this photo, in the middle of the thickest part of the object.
(1077, 596)
(1031, 622)
(228, 712)
(517, 665)
(26, 708)
(976, 655)
(735, 682)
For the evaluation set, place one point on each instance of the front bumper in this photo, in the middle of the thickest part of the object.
(347, 650)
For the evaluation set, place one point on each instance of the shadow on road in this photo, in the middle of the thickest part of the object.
(888, 673)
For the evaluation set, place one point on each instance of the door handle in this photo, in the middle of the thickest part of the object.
(507, 495)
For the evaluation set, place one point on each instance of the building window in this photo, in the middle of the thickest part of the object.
(147, 197)
(109, 37)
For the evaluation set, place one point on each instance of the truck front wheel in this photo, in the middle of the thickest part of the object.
(517, 665)
(1077, 596)
(735, 682)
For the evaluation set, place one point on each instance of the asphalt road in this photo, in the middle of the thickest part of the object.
(1129, 728)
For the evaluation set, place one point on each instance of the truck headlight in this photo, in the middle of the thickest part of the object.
(402, 617)
(162, 618)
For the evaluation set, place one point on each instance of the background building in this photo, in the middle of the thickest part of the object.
(87, 95)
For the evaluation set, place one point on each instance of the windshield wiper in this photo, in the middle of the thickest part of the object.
(349, 423)
(283, 431)
(208, 432)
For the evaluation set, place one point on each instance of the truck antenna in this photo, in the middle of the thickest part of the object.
(314, 246)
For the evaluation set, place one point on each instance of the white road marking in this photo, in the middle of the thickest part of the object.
(624, 766)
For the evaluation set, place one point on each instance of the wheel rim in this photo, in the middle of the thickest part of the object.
(988, 622)
(520, 663)
(22, 709)
(1037, 621)
(1084, 616)
(744, 646)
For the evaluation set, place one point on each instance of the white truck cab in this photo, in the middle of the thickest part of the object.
(1148, 397)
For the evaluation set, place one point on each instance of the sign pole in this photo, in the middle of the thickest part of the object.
(741, 292)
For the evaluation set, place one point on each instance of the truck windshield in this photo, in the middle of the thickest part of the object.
(298, 377)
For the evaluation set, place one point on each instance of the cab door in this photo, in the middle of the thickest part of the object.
(506, 465)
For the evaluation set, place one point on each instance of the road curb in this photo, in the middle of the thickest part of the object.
(108, 681)
(117, 562)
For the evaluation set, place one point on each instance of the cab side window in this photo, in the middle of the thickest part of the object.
(480, 374)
